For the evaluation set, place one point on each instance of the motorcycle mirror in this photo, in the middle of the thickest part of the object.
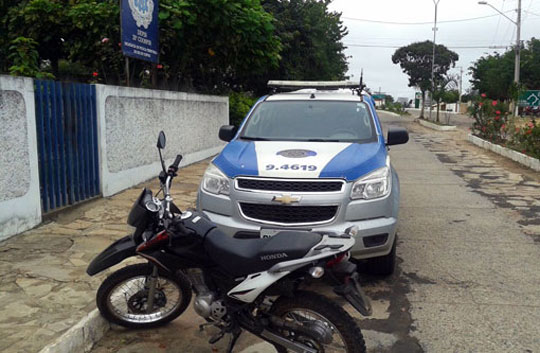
(161, 140)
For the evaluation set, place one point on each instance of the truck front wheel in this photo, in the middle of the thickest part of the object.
(383, 265)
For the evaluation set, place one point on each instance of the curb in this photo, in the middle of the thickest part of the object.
(82, 336)
(518, 157)
(387, 112)
(435, 126)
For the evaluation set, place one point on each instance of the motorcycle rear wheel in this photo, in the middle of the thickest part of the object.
(306, 306)
(122, 298)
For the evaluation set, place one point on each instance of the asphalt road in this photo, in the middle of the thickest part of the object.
(468, 278)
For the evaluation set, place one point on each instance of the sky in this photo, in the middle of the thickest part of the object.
(371, 44)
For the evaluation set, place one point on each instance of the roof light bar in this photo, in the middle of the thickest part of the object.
(296, 85)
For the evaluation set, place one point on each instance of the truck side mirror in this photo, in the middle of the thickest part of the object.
(397, 136)
(227, 132)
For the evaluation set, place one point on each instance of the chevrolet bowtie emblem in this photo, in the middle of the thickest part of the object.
(286, 199)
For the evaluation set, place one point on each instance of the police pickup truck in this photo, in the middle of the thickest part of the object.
(310, 157)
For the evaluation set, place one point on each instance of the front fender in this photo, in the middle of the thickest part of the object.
(115, 253)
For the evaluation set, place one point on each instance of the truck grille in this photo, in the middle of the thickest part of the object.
(289, 185)
(288, 214)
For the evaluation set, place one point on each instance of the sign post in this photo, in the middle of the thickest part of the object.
(140, 31)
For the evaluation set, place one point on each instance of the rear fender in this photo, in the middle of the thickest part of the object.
(114, 254)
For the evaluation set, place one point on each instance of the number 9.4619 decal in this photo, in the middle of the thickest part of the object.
(305, 167)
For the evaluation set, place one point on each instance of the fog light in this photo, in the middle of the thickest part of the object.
(316, 271)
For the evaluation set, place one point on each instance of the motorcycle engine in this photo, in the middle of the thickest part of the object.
(205, 303)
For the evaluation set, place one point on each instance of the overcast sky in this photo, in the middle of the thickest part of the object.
(379, 71)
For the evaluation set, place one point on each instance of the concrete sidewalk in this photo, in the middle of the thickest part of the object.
(44, 289)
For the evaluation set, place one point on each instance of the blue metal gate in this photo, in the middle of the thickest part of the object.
(67, 143)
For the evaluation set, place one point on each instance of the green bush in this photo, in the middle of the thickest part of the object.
(492, 123)
(526, 139)
(239, 105)
(490, 119)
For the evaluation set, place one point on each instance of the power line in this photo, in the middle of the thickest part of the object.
(419, 23)
(449, 47)
(498, 23)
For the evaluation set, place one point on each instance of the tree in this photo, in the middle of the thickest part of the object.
(311, 36)
(445, 90)
(215, 45)
(206, 45)
(388, 99)
(494, 74)
(416, 61)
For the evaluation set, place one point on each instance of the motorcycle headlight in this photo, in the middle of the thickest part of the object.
(214, 181)
(374, 185)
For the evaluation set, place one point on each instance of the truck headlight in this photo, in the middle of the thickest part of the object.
(214, 181)
(374, 185)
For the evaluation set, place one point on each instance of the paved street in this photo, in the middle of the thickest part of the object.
(468, 277)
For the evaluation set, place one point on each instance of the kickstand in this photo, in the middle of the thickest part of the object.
(235, 335)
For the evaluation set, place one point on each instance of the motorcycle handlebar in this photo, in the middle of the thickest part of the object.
(176, 163)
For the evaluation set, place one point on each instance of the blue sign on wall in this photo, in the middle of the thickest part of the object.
(140, 29)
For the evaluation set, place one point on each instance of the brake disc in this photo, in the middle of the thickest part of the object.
(137, 302)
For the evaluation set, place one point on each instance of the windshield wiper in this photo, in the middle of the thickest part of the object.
(254, 138)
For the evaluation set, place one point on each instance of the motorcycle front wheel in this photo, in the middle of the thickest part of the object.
(123, 297)
(306, 308)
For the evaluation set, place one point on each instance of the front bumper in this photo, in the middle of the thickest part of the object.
(368, 228)
(376, 219)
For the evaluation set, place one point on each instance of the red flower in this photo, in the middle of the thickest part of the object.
(119, 44)
(483, 95)
(531, 125)
(159, 66)
(95, 74)
(498, 112)
(503, 126)
(494, 103)
(480, 104)
(528, 132)
(497, 117)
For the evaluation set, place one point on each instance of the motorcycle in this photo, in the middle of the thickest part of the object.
(256, 285)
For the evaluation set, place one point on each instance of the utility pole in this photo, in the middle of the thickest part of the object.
(518, 55)
(460, 87)
(436, 2)
(518, 44)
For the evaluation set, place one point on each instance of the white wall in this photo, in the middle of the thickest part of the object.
(129, 120)
(20, 205)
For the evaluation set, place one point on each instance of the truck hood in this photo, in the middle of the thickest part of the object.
(294, 159)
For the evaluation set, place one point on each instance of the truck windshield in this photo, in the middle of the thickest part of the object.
(321, 121)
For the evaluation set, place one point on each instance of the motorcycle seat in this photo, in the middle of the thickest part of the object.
(241, 257)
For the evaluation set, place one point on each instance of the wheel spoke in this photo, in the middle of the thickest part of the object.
(303, 316)
(128, 300)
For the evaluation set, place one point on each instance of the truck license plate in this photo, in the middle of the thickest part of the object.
(268, 233)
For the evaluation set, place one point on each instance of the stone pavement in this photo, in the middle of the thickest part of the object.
(468, 278)
(44, 289)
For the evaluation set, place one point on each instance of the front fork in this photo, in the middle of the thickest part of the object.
(151, 287)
